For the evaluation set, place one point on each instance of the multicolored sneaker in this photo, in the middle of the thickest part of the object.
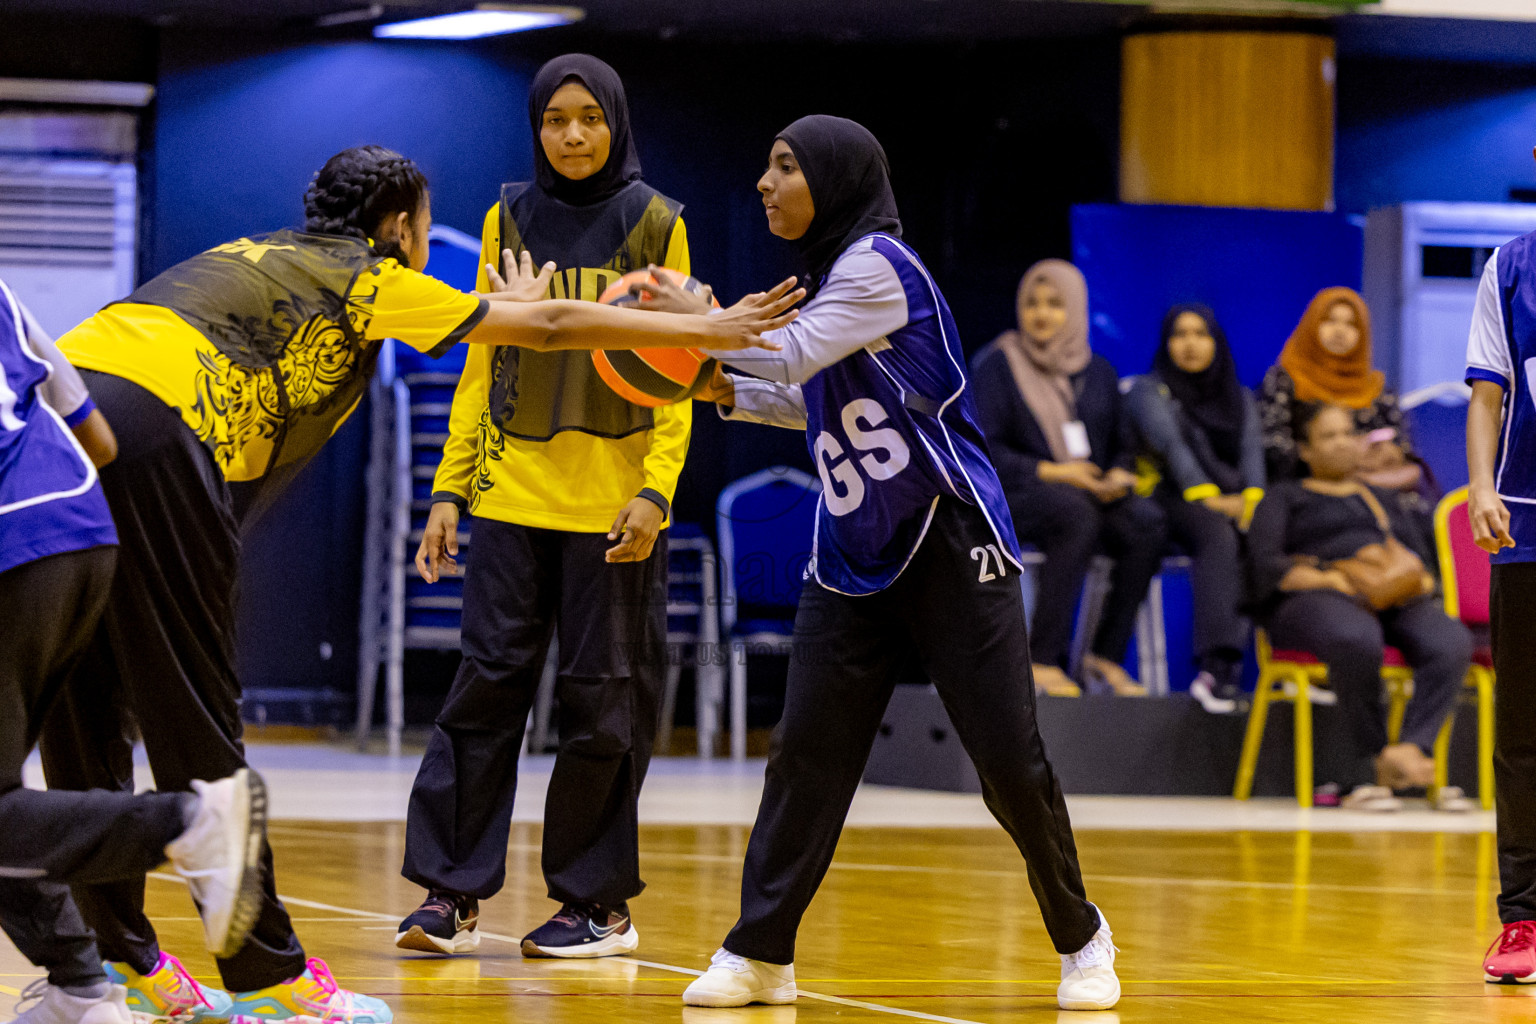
(583, 930)
(311, 998)
(1511, 960)
(168, 993)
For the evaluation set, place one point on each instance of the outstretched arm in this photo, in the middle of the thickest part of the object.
(555, 324)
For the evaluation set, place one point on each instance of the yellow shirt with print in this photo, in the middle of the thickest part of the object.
(574, 481)
(286, 328)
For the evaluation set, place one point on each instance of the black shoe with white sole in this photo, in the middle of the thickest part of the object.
(583, 930)
(445, 923)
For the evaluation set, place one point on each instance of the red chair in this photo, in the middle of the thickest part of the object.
(1290, 675)
(1464, 574)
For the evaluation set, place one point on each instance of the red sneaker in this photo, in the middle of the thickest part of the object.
(1511, 960)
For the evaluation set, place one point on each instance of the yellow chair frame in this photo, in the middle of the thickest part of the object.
(1479, 677)
(1302, 676)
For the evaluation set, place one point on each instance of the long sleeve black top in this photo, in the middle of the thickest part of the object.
(1293, 521)
(1015, 439)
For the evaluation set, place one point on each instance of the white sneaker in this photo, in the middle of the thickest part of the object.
(1451, 800)
(736, 981)
(1088, 980)
(1376, 799)
(1203, 689)
(220, 857)
(55, 1006)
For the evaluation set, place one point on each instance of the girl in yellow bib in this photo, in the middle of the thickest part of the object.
(571, 488)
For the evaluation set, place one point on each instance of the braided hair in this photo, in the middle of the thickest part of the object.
(359, 189)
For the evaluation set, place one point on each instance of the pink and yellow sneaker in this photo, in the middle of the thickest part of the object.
(311, 998)
(1511, 960)
(168, 993)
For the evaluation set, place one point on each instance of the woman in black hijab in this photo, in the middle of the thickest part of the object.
(914, 563)
(1200, 431)
(571, 488)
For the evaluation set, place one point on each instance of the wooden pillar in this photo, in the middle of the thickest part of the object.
(1227, 118)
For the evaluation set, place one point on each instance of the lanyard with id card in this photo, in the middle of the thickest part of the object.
(1075, 435)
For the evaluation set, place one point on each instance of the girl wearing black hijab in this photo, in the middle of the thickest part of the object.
(915, 562)
(1201, 434)
(570, 486)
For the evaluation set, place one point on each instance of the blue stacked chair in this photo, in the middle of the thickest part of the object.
(766, 526)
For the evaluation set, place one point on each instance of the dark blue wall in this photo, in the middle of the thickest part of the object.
(238, 134)
(1412, 130)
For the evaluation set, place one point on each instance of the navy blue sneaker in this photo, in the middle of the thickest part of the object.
(445, 923)
(583, 930)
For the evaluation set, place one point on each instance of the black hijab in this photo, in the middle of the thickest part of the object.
(1212, 398)
(850, 182)
(603, 83)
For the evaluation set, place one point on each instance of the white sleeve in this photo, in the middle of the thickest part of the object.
(63, 390)
(765, 401)
(861, 302)
(1488, 355)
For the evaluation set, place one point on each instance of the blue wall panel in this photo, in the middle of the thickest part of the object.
(1256, 268)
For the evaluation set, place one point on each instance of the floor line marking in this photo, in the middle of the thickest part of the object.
(10, 991)
(896, 1011)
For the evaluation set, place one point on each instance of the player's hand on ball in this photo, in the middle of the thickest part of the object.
(1490, 520)
(743, 325)
(635, 529)
(522, 283)
(665, 296)
(439, 543)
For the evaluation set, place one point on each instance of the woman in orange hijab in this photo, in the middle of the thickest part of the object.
(1328, 360)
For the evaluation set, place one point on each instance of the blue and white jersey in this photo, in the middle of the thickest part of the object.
(874, 372)
(50, 502)
(1502, 349)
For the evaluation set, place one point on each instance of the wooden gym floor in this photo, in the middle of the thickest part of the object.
(932, 924)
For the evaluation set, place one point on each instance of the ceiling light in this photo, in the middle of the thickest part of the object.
(370, 13)
(484, 20)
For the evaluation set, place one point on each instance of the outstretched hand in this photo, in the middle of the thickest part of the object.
(522, 283)
(667, 297)
(744, 324)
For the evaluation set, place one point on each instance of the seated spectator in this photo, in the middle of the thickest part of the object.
(1052, 413)
(1198, 428)
(1309, 591)
(1328, 359)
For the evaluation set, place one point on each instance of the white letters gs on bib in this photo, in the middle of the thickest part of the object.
(884, 454)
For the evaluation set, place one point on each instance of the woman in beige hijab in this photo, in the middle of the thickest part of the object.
(1052, 413)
